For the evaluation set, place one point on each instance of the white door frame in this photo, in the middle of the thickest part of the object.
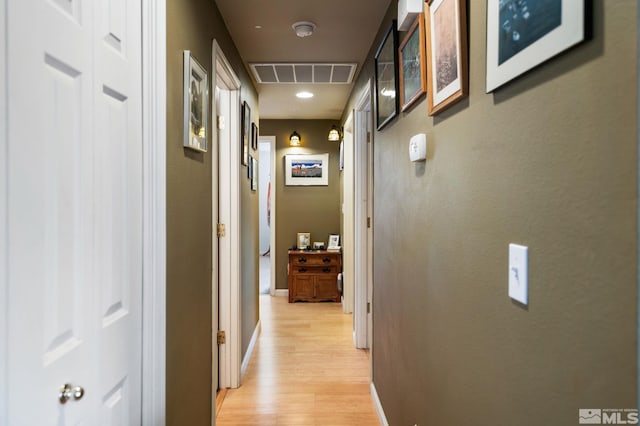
(348, 220)
(272, 204)
(154, 146)
(154, 212)
(4, 166)
(229, 214)
(362, 195)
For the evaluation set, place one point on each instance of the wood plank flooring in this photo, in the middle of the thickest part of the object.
(304, 371)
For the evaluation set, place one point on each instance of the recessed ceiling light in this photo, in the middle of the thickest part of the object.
(258, 27)
(304, 95)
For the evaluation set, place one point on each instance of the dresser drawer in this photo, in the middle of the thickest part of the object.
(314, 260)
(306, 269)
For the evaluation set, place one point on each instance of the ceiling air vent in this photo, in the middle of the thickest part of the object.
(283, 73)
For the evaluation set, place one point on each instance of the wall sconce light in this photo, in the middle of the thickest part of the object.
(294, 139)
(334, 134)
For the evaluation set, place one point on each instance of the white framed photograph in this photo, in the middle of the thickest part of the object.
(523, 34)
(306, 169)
(334, 241)
(196, 102)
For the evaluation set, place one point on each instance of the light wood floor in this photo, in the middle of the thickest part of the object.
(304, 371)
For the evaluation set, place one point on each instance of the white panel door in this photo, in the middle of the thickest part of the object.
(74, 211)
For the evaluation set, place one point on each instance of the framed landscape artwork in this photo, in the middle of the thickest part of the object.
(523, 34)
(306, 169)
(447, 69)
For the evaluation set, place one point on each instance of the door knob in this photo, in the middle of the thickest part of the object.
(67, 392)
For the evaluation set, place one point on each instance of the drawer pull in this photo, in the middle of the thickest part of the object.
(302, 270)
(326, 260)
(326, 270)
(302, 260)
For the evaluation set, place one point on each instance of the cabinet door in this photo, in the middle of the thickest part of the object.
(303, 287)
(326, 287)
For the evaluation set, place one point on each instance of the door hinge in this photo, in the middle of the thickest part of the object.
(368, 307)
(368, 137)
(221, 230)
(222, 338)
(368, 222)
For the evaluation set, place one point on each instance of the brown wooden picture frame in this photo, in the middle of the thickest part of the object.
(413, 64)
(447, 53)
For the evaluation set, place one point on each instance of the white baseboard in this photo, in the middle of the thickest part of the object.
(376, 401)
(280, 292)
(252, 345)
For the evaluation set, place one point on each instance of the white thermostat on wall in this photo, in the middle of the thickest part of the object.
(418, 147)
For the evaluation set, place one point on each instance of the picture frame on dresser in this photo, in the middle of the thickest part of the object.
(304, 240)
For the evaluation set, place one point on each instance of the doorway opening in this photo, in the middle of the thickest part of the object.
(264, 211)
(225, 211)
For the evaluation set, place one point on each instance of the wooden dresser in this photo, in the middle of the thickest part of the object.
(313, 276)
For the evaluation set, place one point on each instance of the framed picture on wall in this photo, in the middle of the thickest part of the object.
(254, 174)
(386, 75)
(306, 169)
(246, 133)
(254, 136)
(413, 64)
(196, 101)
(447, 75)
(523, 34)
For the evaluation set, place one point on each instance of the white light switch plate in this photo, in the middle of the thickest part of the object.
(518, 273)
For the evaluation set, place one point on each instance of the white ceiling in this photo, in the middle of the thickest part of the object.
(344, 33)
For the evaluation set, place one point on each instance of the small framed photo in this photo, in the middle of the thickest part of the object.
(334, 241)
(250, 168)
(306, 169)
(413, 64)
(318, 245)
(386, 73)
(523, 34)
(447, 58)
(254, 136)
(254, 174)
(246, 133)
(304, 239)
(196, 102)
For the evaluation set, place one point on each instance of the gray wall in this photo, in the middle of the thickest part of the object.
(192, 25)
(314, 209)
(548, 161)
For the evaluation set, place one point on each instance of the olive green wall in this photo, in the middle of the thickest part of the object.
(314, 209)
(192, 25)
(548, 161)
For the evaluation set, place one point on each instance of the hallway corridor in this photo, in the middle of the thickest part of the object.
(304, 371)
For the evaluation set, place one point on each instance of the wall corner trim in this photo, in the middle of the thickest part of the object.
(376, 402)
(250, 348)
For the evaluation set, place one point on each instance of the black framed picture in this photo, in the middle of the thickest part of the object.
(386, 74)
(254, 136)
(246, 133)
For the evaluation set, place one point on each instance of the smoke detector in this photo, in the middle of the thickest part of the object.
(304, 28)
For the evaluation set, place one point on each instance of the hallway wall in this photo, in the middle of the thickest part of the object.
(548, 161)
(314, 209)
(192, 25)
